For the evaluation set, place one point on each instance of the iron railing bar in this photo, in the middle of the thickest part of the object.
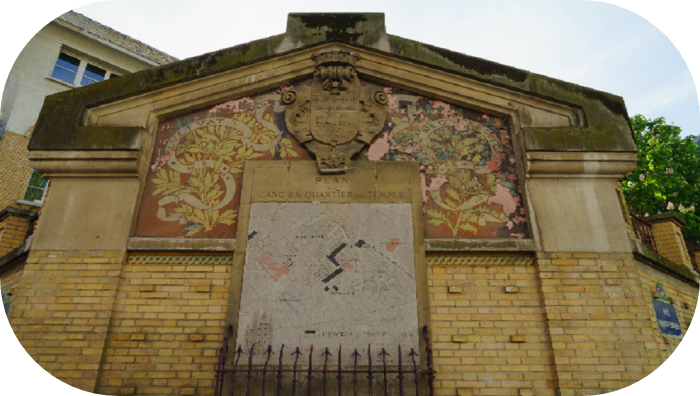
(340, 371)
(413, 355)
(309, 376)
(354, 372)
(279, 373)
(239, 351)
(325, 369)
(370, 377)
(294, 378)
(383, 354)
(250, 373)
(400, 374)
(264, 379)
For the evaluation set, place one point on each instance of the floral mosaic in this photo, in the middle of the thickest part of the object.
(468, 170)
(193, 186)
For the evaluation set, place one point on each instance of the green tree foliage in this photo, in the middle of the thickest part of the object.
(667, 177)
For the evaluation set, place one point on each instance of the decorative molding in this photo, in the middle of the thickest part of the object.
(117, 163)
(480, 260)
(479, 245)
(182, 259)
(567, 164)
(201, 244)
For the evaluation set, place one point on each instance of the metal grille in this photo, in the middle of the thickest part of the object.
(363, 377)
(642, 230)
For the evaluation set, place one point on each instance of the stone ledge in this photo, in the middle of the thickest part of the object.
(16, 255)
(479, 245)
(181, 244)
(10, 211)
(655, 260)
(670, 216)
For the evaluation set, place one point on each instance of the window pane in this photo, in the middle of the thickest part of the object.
(66, 68)
(68, 62)
(113, 75)
(35, 187)
(63, 74)
(33, 194)
(36, 180)
(92, 75)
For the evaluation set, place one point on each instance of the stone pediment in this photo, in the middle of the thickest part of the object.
(553, 115)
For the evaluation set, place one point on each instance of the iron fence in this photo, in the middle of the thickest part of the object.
(642, 230)
(405, 378)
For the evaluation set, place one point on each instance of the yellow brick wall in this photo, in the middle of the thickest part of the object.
(670, 242)
(12, 276)
(685, 299)
(168, 325)
(14, 167)
(62, 311)
(472, 327)
(598, 319)
(9, 281)
(12, 232)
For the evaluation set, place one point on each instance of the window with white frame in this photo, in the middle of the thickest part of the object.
(79, 72)
(36, 188)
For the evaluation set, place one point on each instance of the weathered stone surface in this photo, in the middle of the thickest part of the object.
(329, 274)
(607, 124)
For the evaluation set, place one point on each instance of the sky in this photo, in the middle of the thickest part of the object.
(593, 44)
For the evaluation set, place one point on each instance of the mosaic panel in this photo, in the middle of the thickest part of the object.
(468, 171)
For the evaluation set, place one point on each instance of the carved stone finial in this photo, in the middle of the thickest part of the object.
(336, 116)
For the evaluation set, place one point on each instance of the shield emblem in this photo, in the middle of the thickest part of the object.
(334, 118)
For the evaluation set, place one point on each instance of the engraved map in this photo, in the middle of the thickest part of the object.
(329, 274)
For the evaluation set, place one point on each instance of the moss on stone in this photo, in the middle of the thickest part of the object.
(357, 28)
(608, 127)
(661, 262)
(106, 138)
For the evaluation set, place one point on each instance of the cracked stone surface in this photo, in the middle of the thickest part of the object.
(327, 274)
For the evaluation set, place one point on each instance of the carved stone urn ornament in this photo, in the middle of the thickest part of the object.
(335, 116)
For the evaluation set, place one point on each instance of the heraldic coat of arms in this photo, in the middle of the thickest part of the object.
(335, 116)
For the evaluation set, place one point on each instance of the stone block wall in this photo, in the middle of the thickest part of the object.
(488, 327)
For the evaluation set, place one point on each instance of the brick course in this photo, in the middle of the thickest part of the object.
(473, 330)
(62, 310)
(598, 321)
(168, 325)
(14, 167)
(670, 243)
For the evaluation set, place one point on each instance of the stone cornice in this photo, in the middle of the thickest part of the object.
(563, 164)
(85, 163)
(10, 211)
(607, 127)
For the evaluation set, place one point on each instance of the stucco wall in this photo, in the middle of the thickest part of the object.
(29, 81)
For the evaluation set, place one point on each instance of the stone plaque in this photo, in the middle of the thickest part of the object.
(329, 274)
